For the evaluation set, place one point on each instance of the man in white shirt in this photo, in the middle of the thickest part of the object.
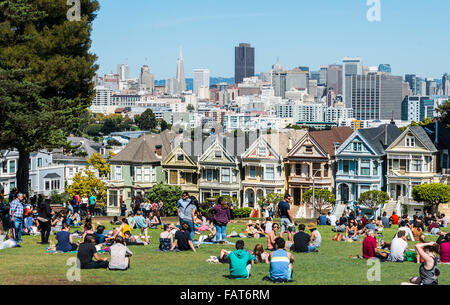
(332, 219)
(399, 246)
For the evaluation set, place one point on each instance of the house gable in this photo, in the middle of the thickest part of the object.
(178, 157)
(307, 147)
(409, 141)
(355, 144)
(260, 149)
(216, 153)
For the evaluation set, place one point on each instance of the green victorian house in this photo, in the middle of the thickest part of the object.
(137, 168)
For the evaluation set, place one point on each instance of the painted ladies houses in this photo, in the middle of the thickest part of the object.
(413, 159)
(361, 163)
(262, 168)
(137, 168)
(180, 169)
(219, 171)
(310, 162)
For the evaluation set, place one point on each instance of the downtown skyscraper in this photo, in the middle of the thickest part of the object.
(244, 65)
(181, 79)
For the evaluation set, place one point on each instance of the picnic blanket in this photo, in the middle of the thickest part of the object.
(212, 243)
(72, 252)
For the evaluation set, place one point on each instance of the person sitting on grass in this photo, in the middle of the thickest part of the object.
(322, 219)
(261, 257)
(301, 240)
(183, 240)
(130, 220)
(281, 262)
(154, 221)
(166, 239)
(351, 231)
(65, 241)
(370, 249)
(115, 221)
(88, 230)
(272, 236)
(398, 247)
(316, 238)
(444, 242)
(405, 226)
(124, 227)
(240, 261)
(268, 224)
(433, 228)
(99, 236)
(428, 273)
(142, 225)
(443, 221)
(86, 253)
(120, 255)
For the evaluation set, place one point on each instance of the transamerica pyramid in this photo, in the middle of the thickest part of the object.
(181, 80)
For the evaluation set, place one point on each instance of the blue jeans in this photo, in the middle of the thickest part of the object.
(191, 228)
(18, 225)
(221, 233)
(311, 248)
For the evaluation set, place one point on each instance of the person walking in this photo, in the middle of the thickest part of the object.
(16, 214)
(222, 217)
(92, 202)
(287, 220)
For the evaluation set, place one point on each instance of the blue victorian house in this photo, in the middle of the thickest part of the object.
(361, 164)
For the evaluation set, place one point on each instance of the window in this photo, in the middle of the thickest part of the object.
(55, 184)
(325, 170)
(416, 165)
(395, 164)
(357, 146)
(182, 178)
(375, 168)
(317, 170)
(47, 185)
(270, 173)
(209, 175)
(12, 185)
(308, 149)
(345, 166)
(147, 174)
(427, 168)
(365, 168)
(262, 151)
(410, 142)
(113, 198)
(226, 175)
(39, 162)
(218, 154)
(252, 171)
(235, 173)
(180, 157)
(118, 173)
(153, 174)
(298, 169)
(5, 167)
(138, 174)
(173, 177)
(12, 166)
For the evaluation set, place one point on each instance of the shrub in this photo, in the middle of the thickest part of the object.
(242, 212)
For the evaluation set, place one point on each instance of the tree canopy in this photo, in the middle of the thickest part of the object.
(373, 199)
(169, 194)
(46, 73)
(323, 199)
(433, 194)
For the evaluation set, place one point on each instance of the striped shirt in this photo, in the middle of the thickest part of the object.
(17, 207)
(279, 265)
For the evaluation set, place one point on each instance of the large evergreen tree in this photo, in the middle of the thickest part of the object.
(46, 73)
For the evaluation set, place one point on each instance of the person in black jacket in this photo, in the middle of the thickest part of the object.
(44, 219)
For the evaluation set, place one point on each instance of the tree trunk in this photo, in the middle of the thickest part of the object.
(23, 172)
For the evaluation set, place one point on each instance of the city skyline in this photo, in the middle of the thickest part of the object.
(301, 36)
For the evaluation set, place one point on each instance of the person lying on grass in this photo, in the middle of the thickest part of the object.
(240, 261)
(183, 240)
(428, 273)
(130, 240)
(120, 255)
(86, 253)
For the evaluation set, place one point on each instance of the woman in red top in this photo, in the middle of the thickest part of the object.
(394, 218)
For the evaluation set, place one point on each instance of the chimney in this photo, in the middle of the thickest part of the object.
(386, 135)
(158, 150)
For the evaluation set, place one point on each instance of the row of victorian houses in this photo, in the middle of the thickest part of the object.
(345, 162)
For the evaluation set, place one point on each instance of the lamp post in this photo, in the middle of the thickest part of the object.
(313, 192)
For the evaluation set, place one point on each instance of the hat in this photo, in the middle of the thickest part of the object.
(311, 226)
(250, 222)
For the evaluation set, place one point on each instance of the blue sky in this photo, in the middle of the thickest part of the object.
(412, 35)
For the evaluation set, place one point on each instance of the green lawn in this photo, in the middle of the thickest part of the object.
(30, 264)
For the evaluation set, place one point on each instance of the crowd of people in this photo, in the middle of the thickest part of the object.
(36, 217)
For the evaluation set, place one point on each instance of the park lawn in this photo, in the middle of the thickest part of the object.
(30, 264)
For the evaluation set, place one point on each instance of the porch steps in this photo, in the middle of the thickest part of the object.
(340, 208)
(389, 208)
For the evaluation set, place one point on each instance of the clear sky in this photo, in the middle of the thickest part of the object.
(412, 36)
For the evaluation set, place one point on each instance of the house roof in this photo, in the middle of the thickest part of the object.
(443, 137)
(423, 137)
(327, 138)
(143, 149)
(381, 137)
(281, 141)
(88, 146)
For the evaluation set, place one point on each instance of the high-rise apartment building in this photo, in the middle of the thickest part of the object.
(124, 72)
(146, 79)
(334, 79)
(376, 96)
(201, 79)
(350, 67)
(415, 83)
(244, 65)
(323, 75)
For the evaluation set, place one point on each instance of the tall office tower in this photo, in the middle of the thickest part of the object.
(279, 82)
(297, 79)
(415, 83)
(334, 79)
(350, 67)
(376, 96)
(201, 79)
(146, 79)
(446, 84)
(123, 71)
(181, 79)
(323, 75)
(431, 87)
(315, 75)
(172, 86)
(312, 88)
(386, 68)
(244, 64)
